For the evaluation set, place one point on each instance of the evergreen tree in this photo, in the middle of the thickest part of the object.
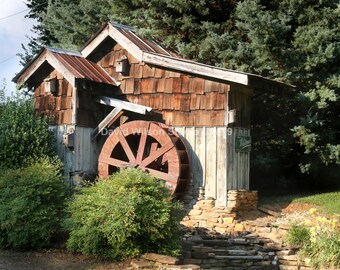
(43, 37)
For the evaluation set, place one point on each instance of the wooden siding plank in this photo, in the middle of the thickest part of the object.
(167, 102)
(190, 141)
(176, 85)
(221, 173)
(144, 86)
(136, 87)
(196, 86)
(129, 86)
(148, 72)
(168, 85)
(185, 84)
(210, 163)
(230, 159)
(161, 85)
(200, 150)
(159, 73)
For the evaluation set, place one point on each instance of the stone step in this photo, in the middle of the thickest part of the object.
(233, 252)
(180, 267)
(255, 257)
(224, 242)
(154, 257)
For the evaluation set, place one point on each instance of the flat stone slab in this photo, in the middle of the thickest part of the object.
(141, 264)
(255, 257)
(160, 258)
(180, 267)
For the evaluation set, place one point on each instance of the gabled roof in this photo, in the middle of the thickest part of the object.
(151, 52)
(72, 65)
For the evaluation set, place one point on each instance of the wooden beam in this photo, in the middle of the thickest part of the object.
(109, 119)
(195, 68)
(124, 105)
(52, 60)
(125, 42)
(94, 43)
(31, 69)
(74, 102)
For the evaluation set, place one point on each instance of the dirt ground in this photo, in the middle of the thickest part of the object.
(54, 260)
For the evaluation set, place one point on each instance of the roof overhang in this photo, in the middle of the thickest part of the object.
(44, 56)
(72, 66)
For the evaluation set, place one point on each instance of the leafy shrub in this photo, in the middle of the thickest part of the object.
(32, 200)
(298, 235)
(128, 214)
(324, 252)
(23, 136)
(320, 240)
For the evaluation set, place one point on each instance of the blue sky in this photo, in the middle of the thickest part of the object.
(13, 32)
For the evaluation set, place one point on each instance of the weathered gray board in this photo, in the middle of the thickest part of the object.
(215, 163)
(84, 156)
(65, 154)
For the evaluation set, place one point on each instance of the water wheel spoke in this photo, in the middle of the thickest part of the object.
(126, 147)
(113, 161)
(141, 147)
(161, 175)
(153, 148)
(153, 156)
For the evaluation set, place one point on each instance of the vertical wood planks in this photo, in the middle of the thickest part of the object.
(221, 163)
(200, 151)
(215, 163)
(237, 162)
(87, 152)
(63, 152)
(210, 162)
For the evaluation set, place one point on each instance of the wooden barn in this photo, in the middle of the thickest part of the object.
(124, 100)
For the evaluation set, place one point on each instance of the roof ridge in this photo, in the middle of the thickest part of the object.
(64, 51)
(123, 26)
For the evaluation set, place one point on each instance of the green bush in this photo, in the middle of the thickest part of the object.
(32, 200)
(324, 252)
(298, 235)
(23, 136)
(128, 214)
(320, 241)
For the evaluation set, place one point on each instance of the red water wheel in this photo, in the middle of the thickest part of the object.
(151, 146)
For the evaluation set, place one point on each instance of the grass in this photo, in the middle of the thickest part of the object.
(329, 202)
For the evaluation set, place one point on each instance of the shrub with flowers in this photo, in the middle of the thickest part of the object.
(320, 239)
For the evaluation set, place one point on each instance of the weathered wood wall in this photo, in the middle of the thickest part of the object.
(58, 107)
(87, 152)
(215, 163)
(83, 158)
(65, 154)
(181, 99)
